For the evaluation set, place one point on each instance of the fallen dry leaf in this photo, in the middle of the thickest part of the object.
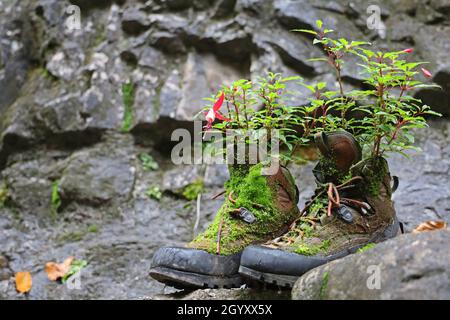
(430, 226)
(23, 281)
(56, 271)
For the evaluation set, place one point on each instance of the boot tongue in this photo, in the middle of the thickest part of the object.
(340, 147)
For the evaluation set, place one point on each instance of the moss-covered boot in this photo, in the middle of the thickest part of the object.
(351, 211)
(257, 208)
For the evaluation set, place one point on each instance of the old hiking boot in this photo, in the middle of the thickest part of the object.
(257, 208)
(351, 210)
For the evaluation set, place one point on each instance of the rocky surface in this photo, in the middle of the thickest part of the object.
(62, 122)
(412, 266)
(227, 294)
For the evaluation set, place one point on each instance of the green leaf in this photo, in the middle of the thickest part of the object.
(311, 88)
(154, 193)
(306, 31)
(433, 113)
(316, 41)
(291, 78)
(319, 24)
(75, 267)
(321, 85)
(148, 162)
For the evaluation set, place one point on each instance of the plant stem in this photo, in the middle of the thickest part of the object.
(245, 108)
(236, 109)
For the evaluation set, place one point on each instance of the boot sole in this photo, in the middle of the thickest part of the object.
(279, 280)
(192, 268)
(182, 279)
(281, 268)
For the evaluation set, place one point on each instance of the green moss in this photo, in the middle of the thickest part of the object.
(56, 202)
(4, 194)
(252, 192)
(311, 250)
(78, 235)
(237, 174)
(191, 191)
(154, 192)
(75, 267)
(324, 285)
(233, 231)
(157, 101)
(100, 35)
(366, 247)
(374, 170)
(375, 177)
(331, 172)
(148, 162)
(128, 102)
(46, 74)
(318, 206)
(93, 228)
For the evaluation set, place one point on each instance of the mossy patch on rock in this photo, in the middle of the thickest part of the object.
(366, 247)
(192, 190)
(324, 285)
(56, 201)
(154, 192)
(4, 194)
(128, 102)
(78, 235)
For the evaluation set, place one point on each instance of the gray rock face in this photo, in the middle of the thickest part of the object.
(62, 116)
(422, 195)
(411, 266)
(228, 294)
(98, 176)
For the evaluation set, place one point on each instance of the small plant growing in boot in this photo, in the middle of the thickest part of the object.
(390, 111)
(249, 106)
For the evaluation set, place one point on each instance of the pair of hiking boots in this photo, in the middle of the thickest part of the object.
(260, 234)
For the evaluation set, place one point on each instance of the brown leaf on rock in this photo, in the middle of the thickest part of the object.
(24, 281)
(56, 271)
(430, 226)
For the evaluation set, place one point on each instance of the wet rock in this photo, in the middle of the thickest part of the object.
(98, 176)
(227, 294)
(441, 6)
(5, 272)
(293, 49)
(413, 266)
(224, 8)
(428, 15)
(152, 58)
(62, 105)
(292, 14)
(29, 182)
(61, 66)
(134, 21)
(202, 76)
(216, 175)
(433, 47)
(181, 176)
(171, 95)
(421, 195)
(86, 4)
(305, 182)
(17, 49)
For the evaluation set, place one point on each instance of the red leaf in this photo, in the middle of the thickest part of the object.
(219, 103)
